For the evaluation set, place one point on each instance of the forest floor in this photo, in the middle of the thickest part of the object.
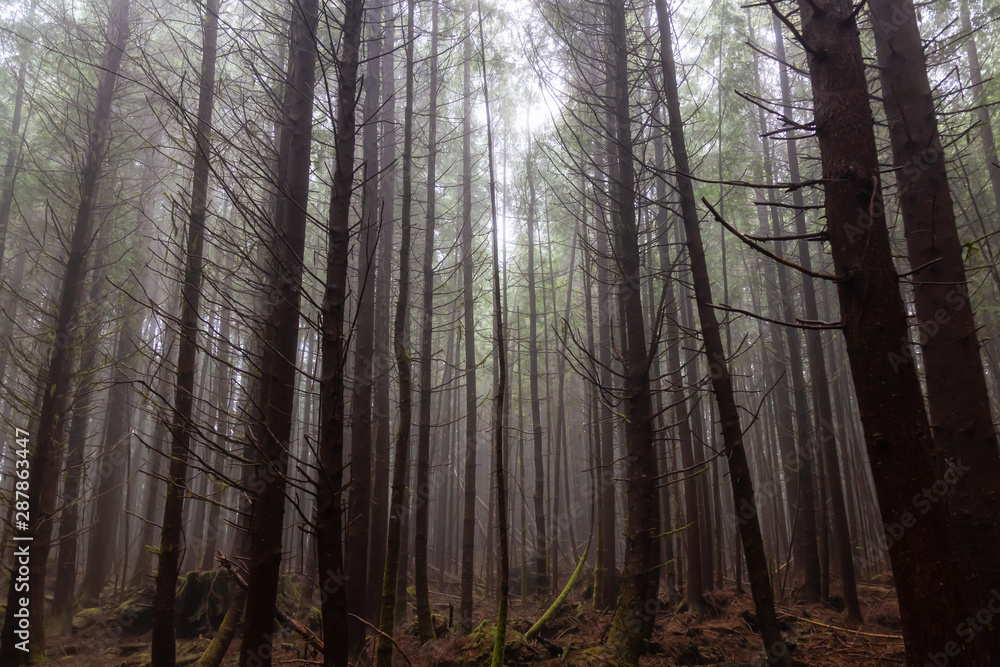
(724, 635)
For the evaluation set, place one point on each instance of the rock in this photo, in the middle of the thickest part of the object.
(133, 616)
(85, 618)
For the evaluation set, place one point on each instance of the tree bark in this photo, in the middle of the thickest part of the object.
(500, 384)
(222, 398)
(425, 625)
(957, 397)
(986, 136)
(606, 572)
(874, 323)
(15, 140)
(541, 575)
(804, 534)
(64, 594)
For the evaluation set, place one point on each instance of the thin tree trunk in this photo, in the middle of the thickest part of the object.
(162, 649)
(222, 398)
(468, 297)
(64, 594)
(401, 342)
(606, 590)
(111, 467)
(425, 625)
(541, 575)
(804, 534)
(500, 385)
(336, 624)
(732, 433)
(15, 139)
(383, 297)
(986, 135)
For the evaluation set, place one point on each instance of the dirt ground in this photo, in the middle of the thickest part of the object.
(722, 636)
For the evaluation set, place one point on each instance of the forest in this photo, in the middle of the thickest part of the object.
(470, 332)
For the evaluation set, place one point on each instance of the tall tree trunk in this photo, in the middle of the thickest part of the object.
(732, 432)
(425, 625)
(633, 621)
(681, 408)
(11, 307)
(155, 459)
(541, 576)
(401, 343)
(957, 398)
(359, 508)
(500, 385)
(222, 398)
(64, 594)
(44, 476)
(606, 589)
(383, 297)
(684, 413)
(469, 322)
(269, 437)
(804, 533)
(162, 649)
(336, 632)
(874, 321)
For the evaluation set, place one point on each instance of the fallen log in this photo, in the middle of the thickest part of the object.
(554, 607)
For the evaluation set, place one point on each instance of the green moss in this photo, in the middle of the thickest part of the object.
(85, 618)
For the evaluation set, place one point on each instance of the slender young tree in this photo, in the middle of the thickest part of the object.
(986, 135)
(15, 139)
(500, 384)
(383, 298)
(541, 574)
(64, 595)
(804, 533)
(112, 466)
(469, 322)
